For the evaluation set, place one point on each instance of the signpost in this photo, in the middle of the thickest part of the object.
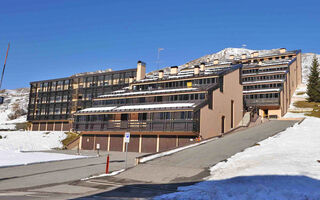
(126, 140)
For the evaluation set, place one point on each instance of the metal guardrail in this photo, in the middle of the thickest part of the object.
(158, 125)
(262, 101)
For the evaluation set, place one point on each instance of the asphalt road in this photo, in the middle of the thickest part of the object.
(61, 171)
(186, 167)
(60, 180)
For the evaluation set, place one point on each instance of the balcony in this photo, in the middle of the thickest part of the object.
(262, 102)
(142, 125)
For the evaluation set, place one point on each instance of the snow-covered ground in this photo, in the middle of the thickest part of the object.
(14, 144)
(286, 166)
(15, 158)
(31, 140)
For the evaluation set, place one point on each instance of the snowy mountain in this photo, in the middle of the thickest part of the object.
(14, 108)
(306, 64)
(237, 52)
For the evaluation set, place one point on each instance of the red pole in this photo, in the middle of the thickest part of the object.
(4, 66)
(107, 165)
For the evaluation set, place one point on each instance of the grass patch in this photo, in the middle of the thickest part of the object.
(70, 137)
(314, 105)
(306, 104)
(314, 113)
(301, 93)
(22, 126)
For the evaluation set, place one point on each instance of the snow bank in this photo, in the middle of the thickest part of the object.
(14, 158)
(104, 175)
(31, 140)
(14, 142)
(285, 166)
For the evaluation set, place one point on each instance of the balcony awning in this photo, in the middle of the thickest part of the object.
(145, 107)
(262, 90)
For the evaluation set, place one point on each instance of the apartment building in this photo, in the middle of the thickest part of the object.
(270, 80)
(53, 102)
(164, 110)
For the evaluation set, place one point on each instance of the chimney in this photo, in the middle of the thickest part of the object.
(130, 79)
(216, 61)
(196, 70)
(254, 54)
(141, 70)
(202, 67)
(282, 50)
(244, 56)
(231, 57)
(160, 74)
(174, 70)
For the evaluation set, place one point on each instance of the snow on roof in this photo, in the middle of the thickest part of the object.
(149, 92)
(264, 81)
(138, 107)
(262, 90)
(156, 106)
(188, 72)
(98, 109)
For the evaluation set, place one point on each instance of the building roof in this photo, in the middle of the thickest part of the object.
(262, 90)
(144, 107)
(85, 74)
(263, 81)
(145, 92)
(182, 74)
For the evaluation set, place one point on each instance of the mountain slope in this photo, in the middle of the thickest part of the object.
(14, 108)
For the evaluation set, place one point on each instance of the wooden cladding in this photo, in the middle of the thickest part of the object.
(138, 143)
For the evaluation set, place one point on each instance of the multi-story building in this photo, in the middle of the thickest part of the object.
(270, 80)
(52, 102)
(165, 110)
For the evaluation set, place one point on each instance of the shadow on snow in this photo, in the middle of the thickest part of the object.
(243, 187)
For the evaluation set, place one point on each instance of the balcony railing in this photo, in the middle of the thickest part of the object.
(149, 102)
(262, 101)
(154, 125)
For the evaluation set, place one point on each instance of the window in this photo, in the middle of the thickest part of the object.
(182, 115)
(142, 116)
(124, 117)
(58, 98)
(168, 114)
(57, 111)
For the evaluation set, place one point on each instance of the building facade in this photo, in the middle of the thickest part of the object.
(270, 80)
(166, 108)
(165, 111)
(53, 102)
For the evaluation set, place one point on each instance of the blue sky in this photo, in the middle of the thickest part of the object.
(52, 39)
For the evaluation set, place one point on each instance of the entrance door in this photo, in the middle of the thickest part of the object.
(222, 124)
(266, 114)
(124, 120)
